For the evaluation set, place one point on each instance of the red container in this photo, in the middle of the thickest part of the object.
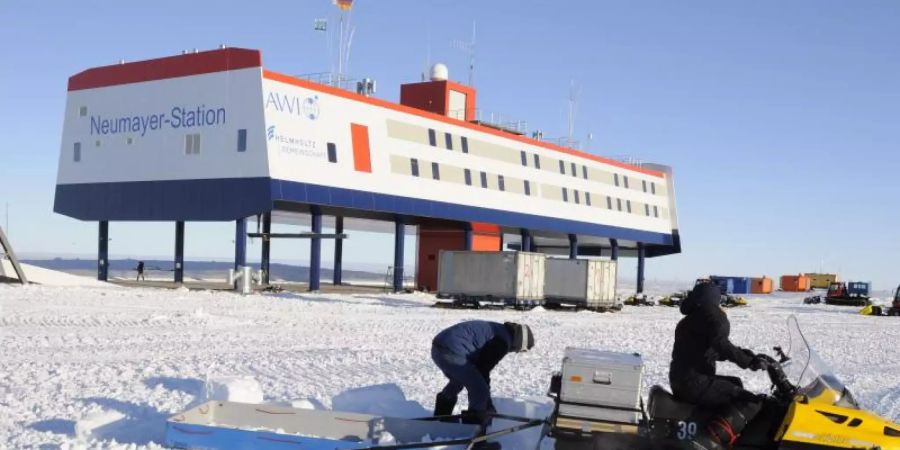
(795, 283)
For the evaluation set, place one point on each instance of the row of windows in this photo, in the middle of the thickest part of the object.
(526, 159)
(501, 183)
(192, 145)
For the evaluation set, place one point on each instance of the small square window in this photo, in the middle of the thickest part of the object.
(587, 198)
(584, 172)
(448, 141)
(562, 167)
(97, 143)
(628, 206)
(619, 203)
(524, 158)
(129, 140)
(76, 152)
(537, 161)
(616, 178)
(501, 183)
(414, 166)
(626, 181)
(608, 202)
(655, 211)
(332, 152)
(188, 144)
(646, 210)
(644, 184)
(574, 170)
(565, 193)
(465, 144)
(197, 143)
(527, 188)
(242, 142)
(435, 171)
(432, 138)
(468, 176)
(82, 111)
(653, 188)
(484, 180)
(577, 197)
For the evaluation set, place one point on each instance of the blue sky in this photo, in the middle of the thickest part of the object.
(779, 118)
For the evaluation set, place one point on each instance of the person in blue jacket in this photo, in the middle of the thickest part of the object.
(466, 353)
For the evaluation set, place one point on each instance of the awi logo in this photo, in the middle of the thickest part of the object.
(307, 107)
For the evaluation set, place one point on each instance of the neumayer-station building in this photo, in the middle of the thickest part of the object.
(215, 136)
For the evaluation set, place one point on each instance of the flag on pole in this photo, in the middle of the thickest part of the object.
(321, 25)
(344, 5)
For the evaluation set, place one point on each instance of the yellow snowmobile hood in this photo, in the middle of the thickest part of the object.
(831, 426)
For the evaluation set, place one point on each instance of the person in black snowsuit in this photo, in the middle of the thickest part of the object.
(140, 271)
(701, 339)
(466, 353)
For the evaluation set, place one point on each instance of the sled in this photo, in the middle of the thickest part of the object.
(220, 425)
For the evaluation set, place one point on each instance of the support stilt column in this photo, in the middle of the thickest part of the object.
(614, 244)
(338, 251)
(266, 248)
(469, 237)
(103, 252)
(573, 246)
(315, 250)
(399, 236)
(179, 252)
(640, 269)
(240, 244)
(527, 240)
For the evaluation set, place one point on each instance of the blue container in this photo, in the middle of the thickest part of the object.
(858, 288)
(732, 285)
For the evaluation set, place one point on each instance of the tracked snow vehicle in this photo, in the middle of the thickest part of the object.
(808, 408)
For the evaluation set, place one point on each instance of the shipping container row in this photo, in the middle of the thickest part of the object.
(526, 279)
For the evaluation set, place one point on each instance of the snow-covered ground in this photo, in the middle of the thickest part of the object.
(77, 357)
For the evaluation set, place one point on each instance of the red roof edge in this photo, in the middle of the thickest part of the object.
(169, 67)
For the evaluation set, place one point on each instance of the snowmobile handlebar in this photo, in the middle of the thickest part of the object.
(781, 385)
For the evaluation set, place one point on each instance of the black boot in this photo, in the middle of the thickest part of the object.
(443, 406)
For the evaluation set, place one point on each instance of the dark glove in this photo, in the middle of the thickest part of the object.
(759, 362)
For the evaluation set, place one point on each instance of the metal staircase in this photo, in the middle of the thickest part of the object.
(11, 256)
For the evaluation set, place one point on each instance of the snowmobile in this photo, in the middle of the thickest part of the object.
(808, 408)
(638, 300)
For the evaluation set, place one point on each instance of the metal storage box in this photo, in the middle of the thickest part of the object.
(601, 386)
(512, 277)
(591, 283)
(230, 425)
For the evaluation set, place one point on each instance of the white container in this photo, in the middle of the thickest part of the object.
(601, 386)
(516, 277)
(591, 283)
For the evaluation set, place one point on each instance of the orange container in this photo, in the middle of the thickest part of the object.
(795, 283)
(761, 285)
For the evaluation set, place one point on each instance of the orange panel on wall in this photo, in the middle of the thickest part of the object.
(362, 160)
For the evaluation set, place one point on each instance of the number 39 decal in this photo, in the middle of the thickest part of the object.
(686, 430)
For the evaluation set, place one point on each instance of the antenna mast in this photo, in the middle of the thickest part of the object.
(574, 91)
(469, 48)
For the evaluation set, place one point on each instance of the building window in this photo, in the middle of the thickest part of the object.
(435, 171)
(332, 152)
(527, 188)
(628, 206)
(565, 193)
(653, 188)
(584, 172)
(192, 144)
(448, 141)
(129, 140)
(465, 144)
(608, 202)
(587, 198)
(577, 197)
(619, 203)
(501, 183)
(76, 152)
(644, 185)
(616, 178)
(484, 180)
(655, 211)
(626, 181)
(574, 170)
(562, 167)
(468, 176)
(524, 158)
(537, 161)
(82, 111)
(432, 138)
(646, 210)
(242, 140)
(414, 166)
